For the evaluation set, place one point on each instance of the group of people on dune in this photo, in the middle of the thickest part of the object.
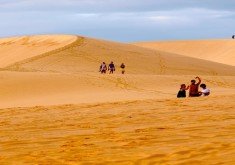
(193, 89)
(111, 68)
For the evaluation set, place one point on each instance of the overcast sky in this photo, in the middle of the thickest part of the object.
(120, 20)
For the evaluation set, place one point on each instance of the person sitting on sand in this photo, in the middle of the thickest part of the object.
(111, 68)
(182, 91)
(205, 91)
(103, 68)
(193, 88)
(123, 68)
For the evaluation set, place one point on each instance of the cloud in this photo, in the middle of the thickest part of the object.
(113, 5)
(122, 20)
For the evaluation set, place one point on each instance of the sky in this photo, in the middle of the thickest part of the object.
(120, 20)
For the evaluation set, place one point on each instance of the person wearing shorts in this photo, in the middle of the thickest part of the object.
(103, 68)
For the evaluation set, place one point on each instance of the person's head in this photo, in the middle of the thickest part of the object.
(182, 86)
(103, 62)
(111, 62)
(193, 82)
(203, 86)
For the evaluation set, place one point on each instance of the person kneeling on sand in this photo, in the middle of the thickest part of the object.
(103, 68)
(182, 91)
(193, 88)
(111, 67)
(123, 68)
(205, 91)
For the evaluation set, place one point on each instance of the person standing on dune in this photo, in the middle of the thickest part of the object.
(123, 68)
(193, 88)
(233, 37)
(111, 67)
(103, 68)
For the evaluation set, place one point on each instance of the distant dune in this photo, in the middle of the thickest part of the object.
(20, 48)
(221, 51)
(56, 107)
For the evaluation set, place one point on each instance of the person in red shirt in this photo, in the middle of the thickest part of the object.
(193, 88)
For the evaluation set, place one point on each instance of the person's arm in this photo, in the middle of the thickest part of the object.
(187, 87)
(199, 80)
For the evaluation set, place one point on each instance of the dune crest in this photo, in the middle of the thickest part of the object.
(221, 51)
(86, 54)
(20, 48)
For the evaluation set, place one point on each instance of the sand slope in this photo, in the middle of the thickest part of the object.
(168, 131)
(85, 56)
(31, 89)
(70, 73)
(56, 108)
(222, 51)
(17, 49)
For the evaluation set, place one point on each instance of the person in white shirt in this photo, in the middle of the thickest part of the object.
(205, 91)
(103, 68)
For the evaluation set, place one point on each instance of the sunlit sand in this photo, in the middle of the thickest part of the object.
(56, 108)
(221, 51)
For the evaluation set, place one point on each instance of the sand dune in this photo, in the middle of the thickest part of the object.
(221, 51)
(70, 73)
(20, 48)
(86, 55)
(56, 108)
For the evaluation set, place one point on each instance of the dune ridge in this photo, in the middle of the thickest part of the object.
(86, 54)
(15, 66)
(221, 51)
(20, 48)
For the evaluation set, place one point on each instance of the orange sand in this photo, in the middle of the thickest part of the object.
(56, 108)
